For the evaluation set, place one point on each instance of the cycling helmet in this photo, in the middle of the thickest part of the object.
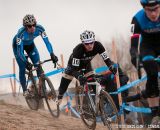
(29, 20)
(149, 2)
(87, 37)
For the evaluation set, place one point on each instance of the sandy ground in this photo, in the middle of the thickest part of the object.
(15, 115)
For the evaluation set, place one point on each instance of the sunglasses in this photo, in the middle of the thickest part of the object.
(89, 43)
(30, 26)
(152, 10)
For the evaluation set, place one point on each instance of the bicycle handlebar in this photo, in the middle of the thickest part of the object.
(90, 76)
(42, 62)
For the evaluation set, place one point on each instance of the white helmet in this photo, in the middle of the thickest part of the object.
(87, 37)
(29, 20)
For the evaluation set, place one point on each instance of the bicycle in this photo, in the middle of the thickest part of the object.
(91, 106)
(44, 89)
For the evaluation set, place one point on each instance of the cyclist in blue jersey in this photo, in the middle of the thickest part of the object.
(24, 41)
(80, 58)
(146, 36)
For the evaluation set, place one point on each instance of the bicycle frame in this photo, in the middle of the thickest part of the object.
(98, 89)
(41, 78)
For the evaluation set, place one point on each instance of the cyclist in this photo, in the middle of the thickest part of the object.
(80, 58)
(146, 24)
(24, 41)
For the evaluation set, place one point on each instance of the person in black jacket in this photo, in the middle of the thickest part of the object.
(80, 58)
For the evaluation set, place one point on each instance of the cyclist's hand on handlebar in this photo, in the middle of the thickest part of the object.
(54, 59)
(113, 68)
(28, 66)
(82, 79)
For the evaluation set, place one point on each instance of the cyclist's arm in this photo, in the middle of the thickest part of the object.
(45, 39)
(20, 53)
(103, 54)
(136, 31)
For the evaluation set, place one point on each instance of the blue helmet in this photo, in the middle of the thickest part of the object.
(149, 2)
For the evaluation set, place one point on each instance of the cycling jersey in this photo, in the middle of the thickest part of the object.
(150, 31)
(81, 58)
(23, 39)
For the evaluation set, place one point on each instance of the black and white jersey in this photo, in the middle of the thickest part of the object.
(80, 58)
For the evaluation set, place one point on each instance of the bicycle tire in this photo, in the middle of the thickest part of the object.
(109, 112)
(86, 111)
(50, 97)
(33, 100)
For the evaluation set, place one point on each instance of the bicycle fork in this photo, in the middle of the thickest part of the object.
(88, 95)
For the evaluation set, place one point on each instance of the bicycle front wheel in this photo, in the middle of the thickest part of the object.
(50, 97)
(33, 100)
(85, 109)
(108, 110)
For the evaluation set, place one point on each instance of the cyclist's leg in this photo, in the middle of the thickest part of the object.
(151, 68)
(35, 58)
(65, 81)
(22, 77)
(21, 66)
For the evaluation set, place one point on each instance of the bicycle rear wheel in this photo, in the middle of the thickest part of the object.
(108, 111)
(86, 111)
(33, 99)
(50, 97)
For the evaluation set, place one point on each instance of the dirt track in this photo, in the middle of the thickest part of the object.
(14, 117)
(17, 117)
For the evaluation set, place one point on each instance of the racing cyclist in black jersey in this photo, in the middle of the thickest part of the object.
(146, 35)
(80, 58)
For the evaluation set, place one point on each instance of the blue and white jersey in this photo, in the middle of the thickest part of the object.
(23, 38)
(149, 30)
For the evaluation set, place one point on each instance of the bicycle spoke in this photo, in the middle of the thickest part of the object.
(50, 98)
(108, 110)
(86, 111)
(33, 99)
